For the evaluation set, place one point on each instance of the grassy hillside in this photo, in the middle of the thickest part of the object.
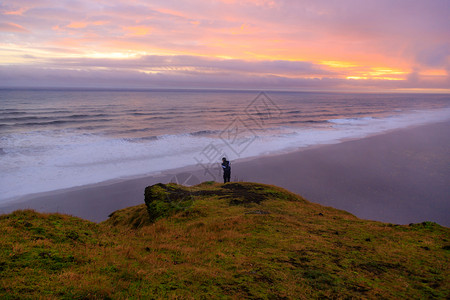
(221, 241)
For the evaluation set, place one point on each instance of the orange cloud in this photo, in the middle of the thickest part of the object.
(81, 24)
(138, 30)
(18, 12)
(12, 27)
(244, 29)
(77, 25)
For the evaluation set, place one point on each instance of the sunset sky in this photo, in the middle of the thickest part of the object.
(345, 45)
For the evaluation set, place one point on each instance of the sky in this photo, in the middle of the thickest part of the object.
(333, 45)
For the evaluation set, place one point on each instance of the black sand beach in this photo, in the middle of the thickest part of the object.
(400, 177)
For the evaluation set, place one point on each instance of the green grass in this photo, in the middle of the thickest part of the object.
(238, 240)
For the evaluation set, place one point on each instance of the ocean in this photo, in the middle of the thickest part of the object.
(55, 139)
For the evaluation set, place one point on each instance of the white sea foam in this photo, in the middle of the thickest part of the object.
(42, 161)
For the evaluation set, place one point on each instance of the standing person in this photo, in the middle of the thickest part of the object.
(226, 170)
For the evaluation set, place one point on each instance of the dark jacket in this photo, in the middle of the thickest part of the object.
(226, 166)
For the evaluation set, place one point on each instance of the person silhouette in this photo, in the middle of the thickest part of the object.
(226, 170)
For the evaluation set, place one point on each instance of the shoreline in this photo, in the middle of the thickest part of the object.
(337, 175)
(179, 170)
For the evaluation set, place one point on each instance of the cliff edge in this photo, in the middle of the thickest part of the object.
(234, 240)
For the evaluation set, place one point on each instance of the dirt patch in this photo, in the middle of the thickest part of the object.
(241, 194)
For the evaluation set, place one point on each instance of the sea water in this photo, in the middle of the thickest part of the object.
(54, 139)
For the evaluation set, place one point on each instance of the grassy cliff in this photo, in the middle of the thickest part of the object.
(221, 241)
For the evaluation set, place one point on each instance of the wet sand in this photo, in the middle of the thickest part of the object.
(399, 177)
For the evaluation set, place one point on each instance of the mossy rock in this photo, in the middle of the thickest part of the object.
(163, 200)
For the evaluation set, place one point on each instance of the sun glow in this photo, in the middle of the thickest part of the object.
(114, 55)
(338, 64)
